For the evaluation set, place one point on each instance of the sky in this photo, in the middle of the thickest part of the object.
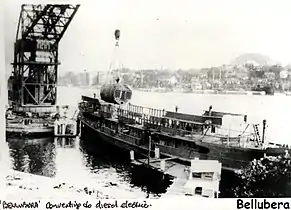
(173, 34)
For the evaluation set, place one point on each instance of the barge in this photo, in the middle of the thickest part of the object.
(28, 124)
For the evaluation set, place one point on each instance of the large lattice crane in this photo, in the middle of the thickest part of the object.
(33, 84)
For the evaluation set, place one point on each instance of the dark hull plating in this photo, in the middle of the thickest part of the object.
(25, 131)
(183, 154)
(232, 158)
(114, 140)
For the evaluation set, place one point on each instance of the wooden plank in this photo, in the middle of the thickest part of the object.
(182, 116)
(165, 159)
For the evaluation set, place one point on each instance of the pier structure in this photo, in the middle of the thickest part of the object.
(200, 179)
(64, 126)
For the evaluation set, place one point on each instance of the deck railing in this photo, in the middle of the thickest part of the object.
(236, 141)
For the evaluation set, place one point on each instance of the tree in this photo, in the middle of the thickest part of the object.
(276, 69)
(267, 177)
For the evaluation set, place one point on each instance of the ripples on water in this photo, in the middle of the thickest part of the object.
(36, 156)
(88, 162)
(94, 164)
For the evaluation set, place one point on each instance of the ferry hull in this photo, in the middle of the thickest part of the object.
(114, 140)
(231, 158)
(129, 134)
(182, 155)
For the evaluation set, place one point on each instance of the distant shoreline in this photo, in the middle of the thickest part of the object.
(210, 92)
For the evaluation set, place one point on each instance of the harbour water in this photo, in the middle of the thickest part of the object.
(85, 160)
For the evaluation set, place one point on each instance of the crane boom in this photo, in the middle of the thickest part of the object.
(33, 84)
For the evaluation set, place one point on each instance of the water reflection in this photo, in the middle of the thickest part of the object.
(100, 155)
(36, 156)
(61, 142)
(74, 160)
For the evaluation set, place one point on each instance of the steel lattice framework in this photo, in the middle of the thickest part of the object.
(35, 67)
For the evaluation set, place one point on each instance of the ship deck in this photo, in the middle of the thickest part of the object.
(19, 119)
(37, 126)
(211, 139)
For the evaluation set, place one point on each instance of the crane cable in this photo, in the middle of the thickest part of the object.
(109, 78)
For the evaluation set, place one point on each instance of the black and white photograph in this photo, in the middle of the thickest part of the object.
(147, 99)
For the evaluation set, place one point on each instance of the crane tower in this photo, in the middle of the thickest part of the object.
(33, 83)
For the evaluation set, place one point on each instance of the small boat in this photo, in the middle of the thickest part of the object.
(263, 90)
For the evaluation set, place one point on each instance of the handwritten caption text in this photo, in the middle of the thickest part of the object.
(74, 205)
